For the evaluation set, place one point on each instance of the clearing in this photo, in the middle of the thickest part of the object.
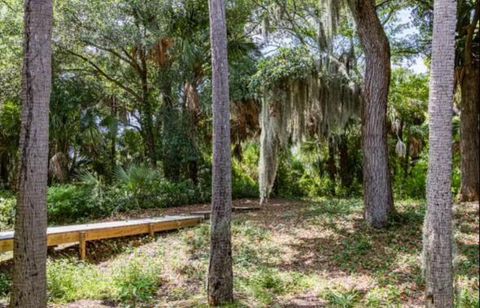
(288, 254)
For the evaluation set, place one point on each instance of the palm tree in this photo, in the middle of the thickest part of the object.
(437, 245)
(29, 288)
(220, 273)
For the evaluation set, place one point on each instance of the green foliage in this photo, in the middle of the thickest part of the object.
(467, 299)
(137, 282)
(289, 63)
(243, 186)
(7, 209)
(341, 298)
(266, 284)
(142, 187)
(381, 297)
(287, 183)
(9, 136)
(5, 284)
(245, 172)
(70, 280)
(412, 185)
(69, 203)
(132, 283)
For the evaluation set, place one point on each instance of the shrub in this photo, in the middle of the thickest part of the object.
(70, 280)
(243, 186)
(143, 187)
(338, 297)
(5, 284)
(266, 284)
(70, 203)
(413, 184)
(287, 184)
(7, 210)
(137, 282)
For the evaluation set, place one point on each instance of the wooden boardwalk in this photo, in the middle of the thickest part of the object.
(104, 230)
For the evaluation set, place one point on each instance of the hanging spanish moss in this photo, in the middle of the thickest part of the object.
(313, 106)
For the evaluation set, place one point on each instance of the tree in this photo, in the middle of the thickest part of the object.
(29, 287)
(220, 272)
(467, 68)
(437, 245)
(469, 76)
(378, 196)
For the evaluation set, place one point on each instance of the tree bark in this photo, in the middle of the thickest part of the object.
(469, 142)
(470, 116)
(29, 286)
(437, 242)
(147, 121)
(378, 196)
(331, 165)
(345, 173)
(220, 272)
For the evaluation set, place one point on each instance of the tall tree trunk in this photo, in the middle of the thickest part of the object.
(470, 117)
(437, 242)
(220, 272)
(147, 119)
(331, 165)
(469, 142)
(172, 130)
(345, 173)
(113, 137)
(29, 287)
(378, 196)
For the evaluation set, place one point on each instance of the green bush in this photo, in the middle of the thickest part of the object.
(287, 183)
(243, 186)
(70, 280)
(413, 184)
(5, 284)
(142, 187)
(266, 284)
(467, 299)
(7, 210)
(339, 297)
(69, 203)
(137, 282)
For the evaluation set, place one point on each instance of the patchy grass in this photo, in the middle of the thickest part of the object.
(288, 254)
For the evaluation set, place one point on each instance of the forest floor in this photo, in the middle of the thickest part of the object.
(288, 254)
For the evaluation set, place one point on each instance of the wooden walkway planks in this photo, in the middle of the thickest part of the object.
(97, 231)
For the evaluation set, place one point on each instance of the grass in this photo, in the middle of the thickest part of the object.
(290, 253)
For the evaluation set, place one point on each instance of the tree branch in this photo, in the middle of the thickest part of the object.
(102, 72)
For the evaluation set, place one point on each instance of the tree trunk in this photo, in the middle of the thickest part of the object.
(345, 173)
(470, 117)
(331, 165)
(147, 119)
(378, 196)
(172, 159)
(437, 242)
(29, 286)
(113, 136)
(469, 142)
(220, 273)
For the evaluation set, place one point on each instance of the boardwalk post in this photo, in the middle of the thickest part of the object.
(83, 246)
(150, 230)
